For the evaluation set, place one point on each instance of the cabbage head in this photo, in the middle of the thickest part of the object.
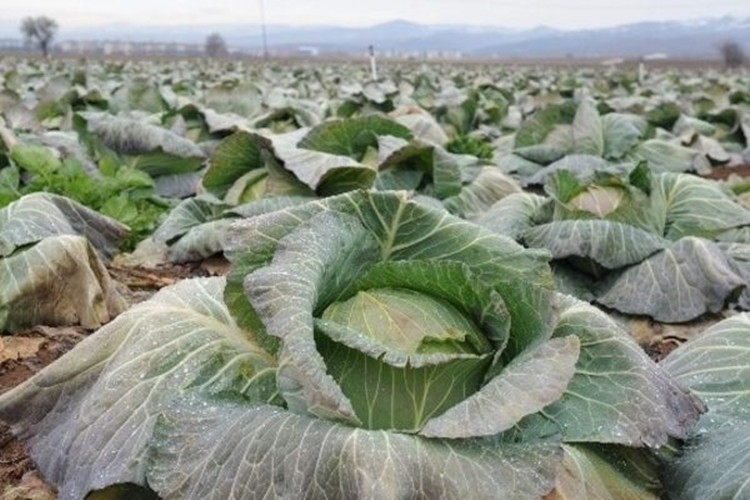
(363, 346)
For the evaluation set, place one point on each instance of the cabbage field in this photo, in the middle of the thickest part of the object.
(226, 279)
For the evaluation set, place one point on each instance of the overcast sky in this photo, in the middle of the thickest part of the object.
(521, 14)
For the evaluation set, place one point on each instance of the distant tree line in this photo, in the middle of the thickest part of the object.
(216, 46)
(40, 31)
(733, 54)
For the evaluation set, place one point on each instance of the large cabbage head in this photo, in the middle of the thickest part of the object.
(364, 346)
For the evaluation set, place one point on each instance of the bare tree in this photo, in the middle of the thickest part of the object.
(40, 30)
(215, 45)
(732, 53)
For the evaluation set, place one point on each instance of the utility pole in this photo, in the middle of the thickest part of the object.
(263, 29)
(373, 63)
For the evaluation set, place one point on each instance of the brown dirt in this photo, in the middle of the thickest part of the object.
(723, 173)
(18, 478)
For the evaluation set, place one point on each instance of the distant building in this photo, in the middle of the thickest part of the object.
(309, 51)
(656, 56)
(14, 45)
(122, 48)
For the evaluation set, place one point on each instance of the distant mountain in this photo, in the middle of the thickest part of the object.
(697, 39)
(694, 39)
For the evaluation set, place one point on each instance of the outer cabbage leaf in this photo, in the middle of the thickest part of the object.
(663, 156)
(422, 124)
(535, 128)
(235, 156)
(588, 133)
(678, 284)
(280, 454)
(41, 215)
(542, 154)
(59, 281)
(200, 242)
(610, 244)
(196, 228)
(150, 148)
(617, 395)
(695, 206)
(716, 366)
(302, 112)
(622, 132)
(606, 473)
(712, 465)
(352, 137)
(570, 281)
(582, 166)
(490, 186)
(324, 171)
(187, 215)
(87, 419)
(513, 215)
(412, 160)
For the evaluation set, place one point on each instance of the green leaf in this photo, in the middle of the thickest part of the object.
(489, 187)
(408, 322)
(121, 208)
(203, 446)
(251, 186)
(201, 241)
(607, 473)
(407, 230)
(423, 125)
(588, 134)
(453, 282)
(543, 154)
(188, 214)
(393, 390)
(712, 465)
(116, 382)
(352, 137)
(716, 366)
(235, 156)
(533, 380)
(39, 160)
(536, 127)
(611, 244)
(663, 156)
(324, 172)
(513, 215)
(326, 253)
(695, 207)
(622, 132)
(584, 167)
(570, 281)
(678, 284)
(618, 395)
(41, 215)
(10, 185)
(147, 147)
